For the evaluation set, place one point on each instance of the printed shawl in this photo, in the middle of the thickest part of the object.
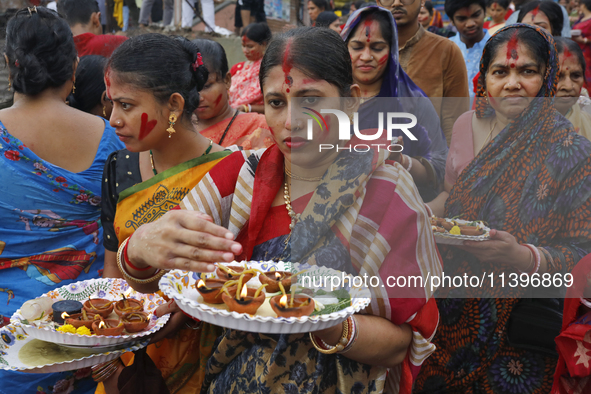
(363, 206)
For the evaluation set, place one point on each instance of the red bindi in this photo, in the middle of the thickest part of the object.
(367, 25)
(287, 65)
(512, 65)
(512, 47)
(146, 127)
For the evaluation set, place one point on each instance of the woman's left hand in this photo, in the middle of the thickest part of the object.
(176, 322)
(501, 248)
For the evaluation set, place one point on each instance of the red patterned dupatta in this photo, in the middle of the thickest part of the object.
(364, 206)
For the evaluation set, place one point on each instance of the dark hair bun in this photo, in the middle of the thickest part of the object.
(40, 50)
(162, 65)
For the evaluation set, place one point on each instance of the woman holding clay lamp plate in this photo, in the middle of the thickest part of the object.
(291, 178)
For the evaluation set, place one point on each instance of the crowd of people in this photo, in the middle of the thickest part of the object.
(103, 127)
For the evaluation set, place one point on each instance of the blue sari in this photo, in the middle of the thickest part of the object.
(50, 236)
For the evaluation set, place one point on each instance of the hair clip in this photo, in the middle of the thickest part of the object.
(32, 9)
(16, 63)
(198, 63)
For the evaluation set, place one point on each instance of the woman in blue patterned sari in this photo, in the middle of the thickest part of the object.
(52, 157)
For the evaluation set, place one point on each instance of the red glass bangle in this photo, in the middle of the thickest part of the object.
(126, 259)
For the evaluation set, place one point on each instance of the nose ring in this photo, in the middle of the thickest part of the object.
(118, 123)
(518, 86)
(372, 58)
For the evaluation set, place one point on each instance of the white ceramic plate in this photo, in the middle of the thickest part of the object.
(13, 340)
(108, 288)
(180, 285)
(452, 239)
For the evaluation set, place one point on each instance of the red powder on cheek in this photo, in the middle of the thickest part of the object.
(512, 47)
(491, 99)
(146, 127)
(217, 100)
(383, 60)
(287, 65)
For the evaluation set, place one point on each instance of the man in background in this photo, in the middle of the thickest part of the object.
(84, 19)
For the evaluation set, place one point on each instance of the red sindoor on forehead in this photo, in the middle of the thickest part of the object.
(534, 12)
(367, 25)
(512, 47)
(287, 65)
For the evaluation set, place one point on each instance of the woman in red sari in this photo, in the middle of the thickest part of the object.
(584, 39)
(217, 120)
(356, 211)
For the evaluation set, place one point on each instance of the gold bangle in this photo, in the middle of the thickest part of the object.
(244, 108)
(339, 346)
(157, 274)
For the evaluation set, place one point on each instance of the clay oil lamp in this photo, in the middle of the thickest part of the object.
(108, 327)
(293, 305)
(64, 309)
(273, 278)
(245, 300)
(99, 306)
(81, 319)
(128, 305)
(211, 289)
(233, 272)
(135, 321)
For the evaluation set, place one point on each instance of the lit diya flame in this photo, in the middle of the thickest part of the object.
(65, 315)
(102, 325)
(243, 293)
(201, 283)
(277, 275)
(283, 301)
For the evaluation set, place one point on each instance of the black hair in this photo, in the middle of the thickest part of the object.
(385, 24)
(214, 56)
(306, 47)
(429, 7)
(322, 4)
(257, 32)
(587, 3)
(77, 11)
(162, 65)
(325, 18)
(563, 43)
(502, 3)
(452, 6)
(40, 50)
(532, 40)
(90, 83)
(552, 11)
(358, 4)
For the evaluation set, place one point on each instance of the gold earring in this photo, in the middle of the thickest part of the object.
(104, 112)
(351, 118)
(9, 85)
(171, 120)
(73, 87)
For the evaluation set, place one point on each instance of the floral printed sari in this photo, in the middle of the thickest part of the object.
(50, 236)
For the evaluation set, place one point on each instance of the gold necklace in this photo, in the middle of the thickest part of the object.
(301, 178)
(494, 125)
(294, 216)
(366, 99)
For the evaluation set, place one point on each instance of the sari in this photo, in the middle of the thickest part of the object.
(50, 236)
(366, 212)
(127, 204)
(585, 28)
(250, 131)
(580, 119)
(573, 370)
(431, 147)
(246, 88)
(532, 180)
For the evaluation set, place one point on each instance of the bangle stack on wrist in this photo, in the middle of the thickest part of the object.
(104, 371)
(535, 260)
(122, 259)
(346, 342)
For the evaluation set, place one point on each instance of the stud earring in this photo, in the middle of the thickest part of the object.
(351, 118)
(171, 120)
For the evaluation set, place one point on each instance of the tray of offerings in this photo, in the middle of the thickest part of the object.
(265, 297)
(456, 231)
(101, 314)
(21, 352)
